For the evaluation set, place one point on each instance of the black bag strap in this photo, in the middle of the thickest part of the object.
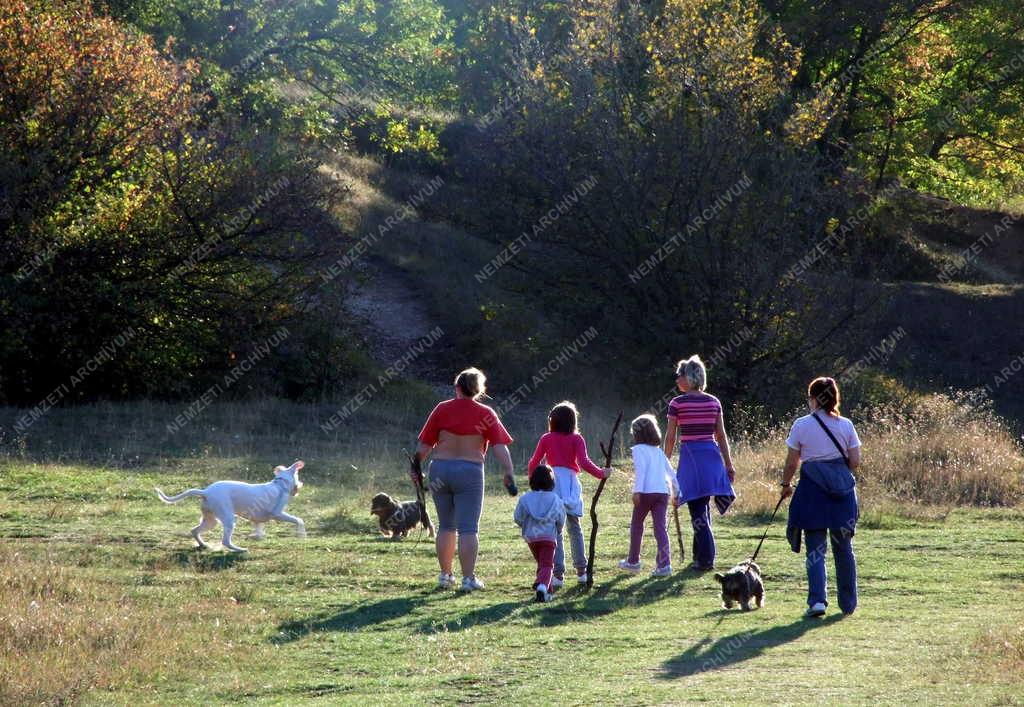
(831, 437)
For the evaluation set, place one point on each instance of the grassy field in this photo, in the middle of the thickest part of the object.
(103, 600)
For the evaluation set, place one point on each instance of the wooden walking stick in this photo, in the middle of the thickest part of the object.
(416, 468)
(593, 503)
(679, 536)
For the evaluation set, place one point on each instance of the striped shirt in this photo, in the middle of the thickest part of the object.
(696, 414)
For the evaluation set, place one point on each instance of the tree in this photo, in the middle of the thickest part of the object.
(131, 203)
(926, 91)
(712, 222)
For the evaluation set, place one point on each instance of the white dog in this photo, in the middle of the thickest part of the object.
(223, 500)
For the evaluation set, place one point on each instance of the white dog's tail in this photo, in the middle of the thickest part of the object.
(184, 494)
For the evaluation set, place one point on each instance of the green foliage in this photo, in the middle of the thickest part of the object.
(928, 93)
(132, 203)
(121, 157)
(702, 202)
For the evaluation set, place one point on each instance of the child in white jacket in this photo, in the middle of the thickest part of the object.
(541, 515)
(655, 482)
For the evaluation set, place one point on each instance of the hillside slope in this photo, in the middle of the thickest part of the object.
(957, 291)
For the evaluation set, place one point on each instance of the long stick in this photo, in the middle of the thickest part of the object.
(421, 497)
(593, 503)
(679, 536)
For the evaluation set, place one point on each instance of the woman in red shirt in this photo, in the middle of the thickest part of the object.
(456, 436)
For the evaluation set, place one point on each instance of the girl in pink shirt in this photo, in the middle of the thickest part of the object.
(565, 451)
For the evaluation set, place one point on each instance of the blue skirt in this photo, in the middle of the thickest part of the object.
(702, 473)
(813, 508)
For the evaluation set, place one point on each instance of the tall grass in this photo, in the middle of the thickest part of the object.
(941, 449)
(934, 450)
(948, 449)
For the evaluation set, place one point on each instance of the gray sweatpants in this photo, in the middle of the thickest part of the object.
(579, 554)
(458, 490)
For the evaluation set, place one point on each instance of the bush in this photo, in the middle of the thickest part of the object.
(941, 449)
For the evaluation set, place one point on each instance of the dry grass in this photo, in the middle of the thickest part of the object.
(64, 632)
(920, 457)
(943, 450)
(102, 602)
(1002, 650)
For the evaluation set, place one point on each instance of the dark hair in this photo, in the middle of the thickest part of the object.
(472, 382)
(562, 418)
(645, 430)
(826, 392)
(542, 478)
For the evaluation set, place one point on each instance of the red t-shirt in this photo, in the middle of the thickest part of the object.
(569, 451)
(464, 416)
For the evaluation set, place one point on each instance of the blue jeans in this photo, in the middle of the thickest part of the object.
(579, 553)
(703, 538)
(846, 568)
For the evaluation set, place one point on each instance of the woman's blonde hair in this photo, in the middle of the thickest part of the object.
(693, 369)
(472, 382)
(645, 430)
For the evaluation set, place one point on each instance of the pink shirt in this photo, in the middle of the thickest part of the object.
(696, 414)
(569, 451)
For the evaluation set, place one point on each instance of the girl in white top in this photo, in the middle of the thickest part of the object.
(655, 483)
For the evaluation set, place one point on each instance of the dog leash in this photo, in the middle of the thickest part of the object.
(767, 528)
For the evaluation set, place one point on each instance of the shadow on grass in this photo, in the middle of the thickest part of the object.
(206, 561)
(572, 604)
(477, 617)
(353, 618)
(608, 597)
(710, 654)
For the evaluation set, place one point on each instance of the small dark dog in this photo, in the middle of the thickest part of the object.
(397, 519)
(740, 584)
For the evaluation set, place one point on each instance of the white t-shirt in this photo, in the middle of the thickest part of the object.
(810, 440)
(654, 473)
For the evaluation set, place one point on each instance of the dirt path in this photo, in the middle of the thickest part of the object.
(398, 326)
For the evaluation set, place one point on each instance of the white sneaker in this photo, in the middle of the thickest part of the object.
(556, 583)
(446, 580)
(470, 584)
(665, 571)
(582, 578)
(629, 566)
(816, 610)
(542, 593)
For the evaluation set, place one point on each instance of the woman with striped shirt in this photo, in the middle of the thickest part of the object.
(705, 463)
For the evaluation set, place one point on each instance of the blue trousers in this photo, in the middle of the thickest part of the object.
(846, 568)
(579, 553)
(703, 538)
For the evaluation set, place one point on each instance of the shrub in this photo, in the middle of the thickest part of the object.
(940, 449)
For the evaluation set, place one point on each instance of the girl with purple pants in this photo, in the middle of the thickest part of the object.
(655, 481)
